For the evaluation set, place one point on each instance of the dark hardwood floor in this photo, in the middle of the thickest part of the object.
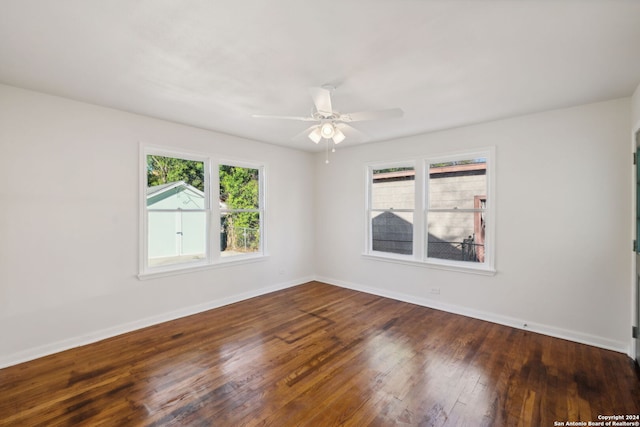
(319, 355)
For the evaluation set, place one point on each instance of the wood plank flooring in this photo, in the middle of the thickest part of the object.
(319, 355)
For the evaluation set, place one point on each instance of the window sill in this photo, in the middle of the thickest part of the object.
(191, 268)
(481, 270)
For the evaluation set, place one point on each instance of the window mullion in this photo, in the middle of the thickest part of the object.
(178, 210)
(392, 210)
(458, 210)
(238, 210)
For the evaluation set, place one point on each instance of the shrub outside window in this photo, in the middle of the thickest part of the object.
(240, 213)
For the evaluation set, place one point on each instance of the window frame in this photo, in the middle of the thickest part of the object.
(212, 211)
(421, 216)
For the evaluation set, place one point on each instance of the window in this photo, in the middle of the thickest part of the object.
(181, 198)
(240, 213)
(453, 193)
(392, 209)
(177, 208)
(456, 216)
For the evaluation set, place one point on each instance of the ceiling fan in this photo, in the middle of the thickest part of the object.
(331, 124)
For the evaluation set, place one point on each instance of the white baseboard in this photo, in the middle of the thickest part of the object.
(99, 335)
(579, 337)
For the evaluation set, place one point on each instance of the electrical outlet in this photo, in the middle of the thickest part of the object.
(435, 291)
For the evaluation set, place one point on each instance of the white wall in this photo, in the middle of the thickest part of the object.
(635, 109)
(69, 175)
(563, 224)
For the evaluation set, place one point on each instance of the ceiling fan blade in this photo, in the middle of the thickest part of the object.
(305, 133)
(372, 115)
(300, 118)
(322, 100)
(352, 133)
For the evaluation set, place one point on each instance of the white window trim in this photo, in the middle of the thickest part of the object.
(420, 234)
(213, 258)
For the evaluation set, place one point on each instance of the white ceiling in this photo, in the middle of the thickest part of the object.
(212, 64)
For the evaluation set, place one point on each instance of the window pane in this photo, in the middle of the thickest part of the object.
(457, 185)
(393, 188)
(239, 233)
(176, 237)
(174, 183)
(239, 187)
(456, 236)
(392, 232)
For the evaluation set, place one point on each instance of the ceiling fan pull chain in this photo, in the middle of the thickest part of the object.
(326, 161)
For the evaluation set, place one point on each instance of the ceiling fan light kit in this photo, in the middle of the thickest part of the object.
(327, 130)
(315, 135)
(338, 136)
(331, 123)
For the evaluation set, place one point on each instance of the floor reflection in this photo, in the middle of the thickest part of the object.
(416, 383)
